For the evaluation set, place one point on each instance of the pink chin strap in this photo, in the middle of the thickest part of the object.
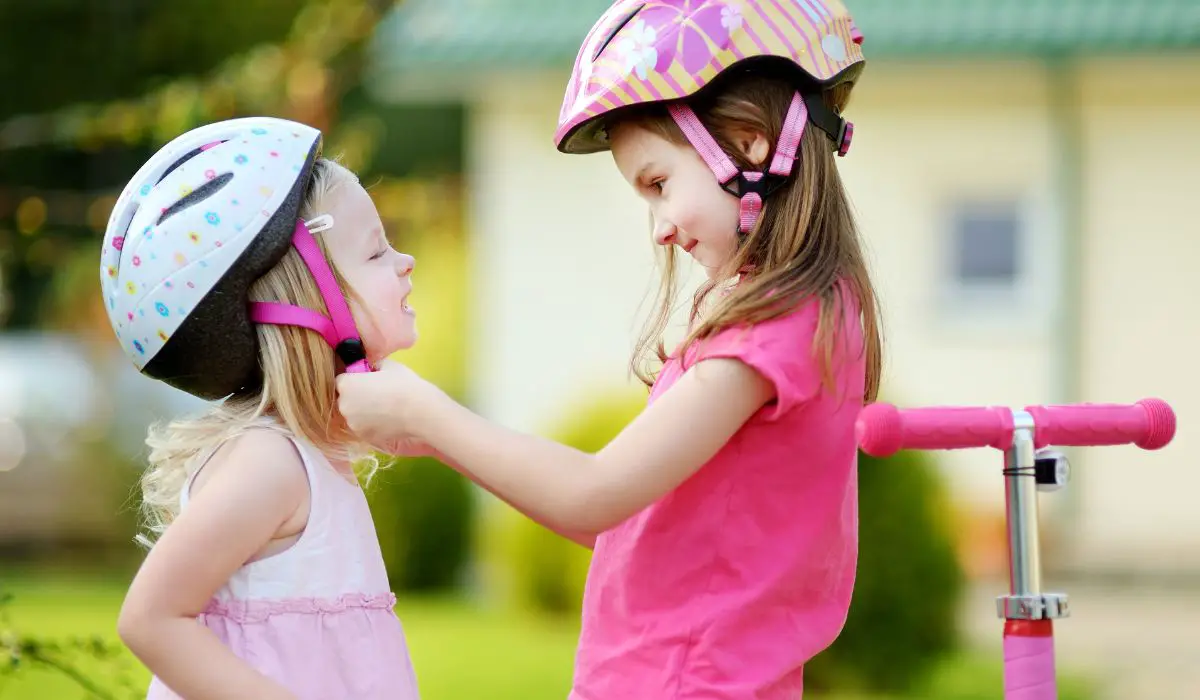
(753, 186)
(338, 328)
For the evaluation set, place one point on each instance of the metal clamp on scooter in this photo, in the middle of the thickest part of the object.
(1052, 470)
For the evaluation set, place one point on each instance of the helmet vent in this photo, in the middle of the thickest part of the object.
(198, 195)
(617, 28)
(186, 157)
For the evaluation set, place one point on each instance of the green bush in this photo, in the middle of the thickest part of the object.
(423, 513)
(537, 569)
(903, 617)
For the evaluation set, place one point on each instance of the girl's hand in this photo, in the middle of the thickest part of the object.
(383, 407)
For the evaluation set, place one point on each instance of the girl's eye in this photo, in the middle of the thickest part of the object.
(657, 185)
(379, 255)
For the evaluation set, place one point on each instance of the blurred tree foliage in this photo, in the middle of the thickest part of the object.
(92, 88)
(55, 53)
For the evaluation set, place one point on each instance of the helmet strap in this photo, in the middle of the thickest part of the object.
(338, 328)
(753, 187)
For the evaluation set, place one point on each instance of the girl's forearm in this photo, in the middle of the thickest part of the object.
(579, 538)
(547, 481)
(193, 662)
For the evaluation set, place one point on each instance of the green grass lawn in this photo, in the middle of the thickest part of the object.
(507, 655)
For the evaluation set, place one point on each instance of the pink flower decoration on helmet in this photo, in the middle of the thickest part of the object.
(691, 30)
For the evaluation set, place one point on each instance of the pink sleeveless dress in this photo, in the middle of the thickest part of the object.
(317, 617)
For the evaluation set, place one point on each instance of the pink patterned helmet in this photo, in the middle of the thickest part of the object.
(646, 51)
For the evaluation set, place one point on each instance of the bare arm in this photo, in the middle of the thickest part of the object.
(417, 448)
(572, 491)
(254, 488)
(582, 539)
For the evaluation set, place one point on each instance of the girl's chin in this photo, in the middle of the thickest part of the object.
(710, 271)
(409, 340)
(399, 346)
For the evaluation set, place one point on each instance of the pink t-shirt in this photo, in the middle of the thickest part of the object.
(725, 587)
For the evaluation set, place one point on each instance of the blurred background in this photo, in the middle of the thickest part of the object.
(1024, 172)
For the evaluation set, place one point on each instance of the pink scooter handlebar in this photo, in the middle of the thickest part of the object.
(883, 429)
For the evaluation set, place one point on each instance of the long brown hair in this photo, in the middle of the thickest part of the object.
(804, 246)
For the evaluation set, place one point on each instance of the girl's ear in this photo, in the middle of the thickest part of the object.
(753, 145)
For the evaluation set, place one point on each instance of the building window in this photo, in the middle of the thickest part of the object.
(998, 260)
(986, 246)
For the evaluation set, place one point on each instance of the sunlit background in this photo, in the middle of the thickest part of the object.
(1025, 173)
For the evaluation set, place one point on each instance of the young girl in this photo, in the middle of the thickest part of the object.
(725, 516)
(266, 579)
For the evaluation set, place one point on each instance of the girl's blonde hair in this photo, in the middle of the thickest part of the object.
(804, 246)
(298, 389)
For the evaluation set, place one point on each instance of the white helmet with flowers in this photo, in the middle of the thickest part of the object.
(206, 216)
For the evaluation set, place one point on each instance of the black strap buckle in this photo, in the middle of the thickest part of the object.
(764, 186)
(351, 350)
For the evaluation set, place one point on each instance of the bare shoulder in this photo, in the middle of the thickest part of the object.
(252, 492)
(727, 377)
(726, 371)
(716, 396)
(257, 459)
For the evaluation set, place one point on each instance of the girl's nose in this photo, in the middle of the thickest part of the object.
(405, 264)
(664, 233)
